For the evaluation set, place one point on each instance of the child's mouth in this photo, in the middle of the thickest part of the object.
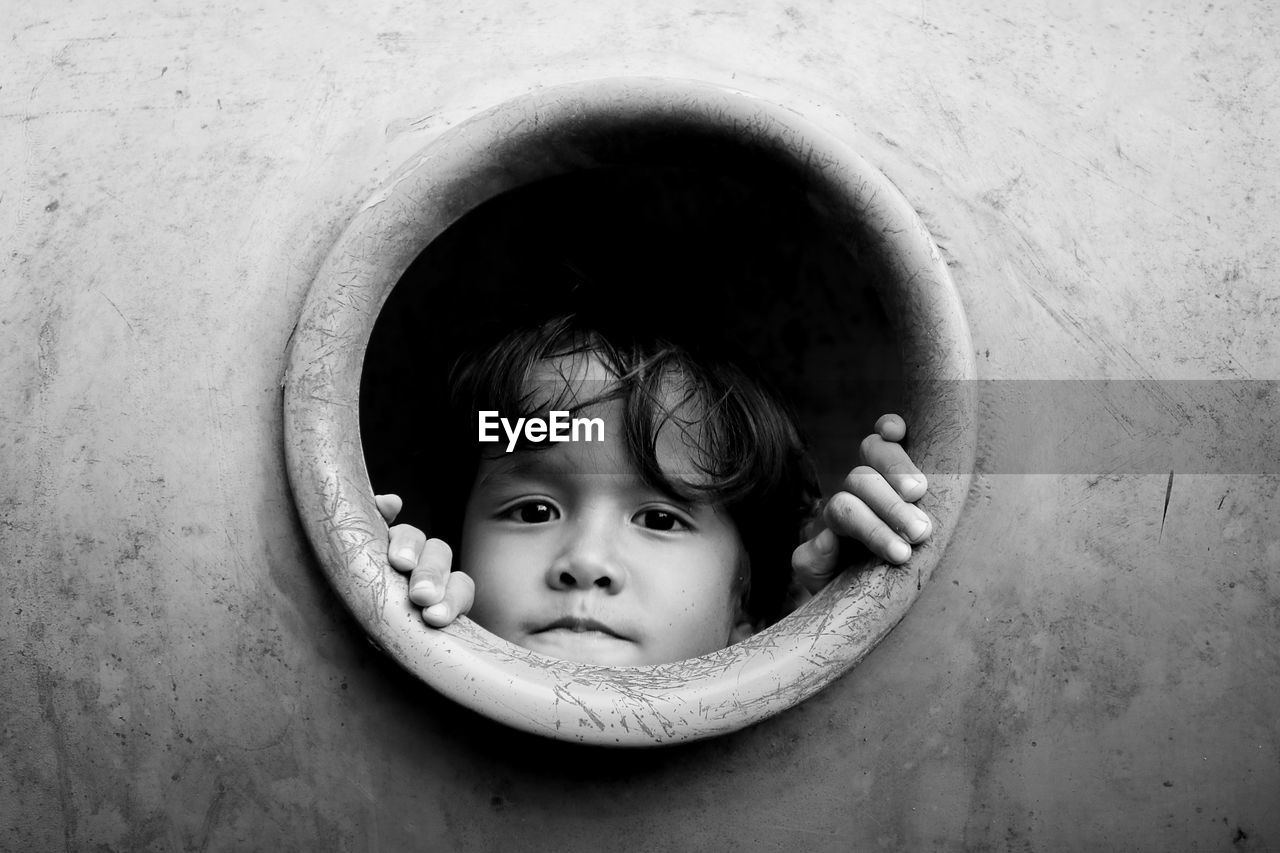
(577, 625)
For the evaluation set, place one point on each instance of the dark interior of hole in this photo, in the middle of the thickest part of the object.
(742, 254)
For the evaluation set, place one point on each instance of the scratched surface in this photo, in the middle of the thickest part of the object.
(1094, 665)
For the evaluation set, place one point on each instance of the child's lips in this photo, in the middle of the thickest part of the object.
(580, 625)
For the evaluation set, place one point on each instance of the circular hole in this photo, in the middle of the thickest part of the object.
(730, 248)
(706, 210)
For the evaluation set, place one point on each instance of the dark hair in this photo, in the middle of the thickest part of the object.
(744, 441)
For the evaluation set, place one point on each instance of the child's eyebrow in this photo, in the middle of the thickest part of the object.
(546, 465)
(506, 465)
(523, 464)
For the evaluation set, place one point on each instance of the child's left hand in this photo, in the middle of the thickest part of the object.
(874, 507)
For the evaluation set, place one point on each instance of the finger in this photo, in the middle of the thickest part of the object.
(891, 427)
(404, 547)
(389, 506)
(894, 465)
(459, 593)
(849, 516)
(870, 487)
(815, 561)
(428, 582)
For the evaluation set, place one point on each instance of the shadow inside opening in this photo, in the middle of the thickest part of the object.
(740, 253)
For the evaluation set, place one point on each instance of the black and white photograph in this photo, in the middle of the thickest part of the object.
(817, 425)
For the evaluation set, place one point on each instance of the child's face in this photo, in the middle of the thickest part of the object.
(575, 557)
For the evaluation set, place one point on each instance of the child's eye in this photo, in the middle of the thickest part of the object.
(660, 519)
(534, 512)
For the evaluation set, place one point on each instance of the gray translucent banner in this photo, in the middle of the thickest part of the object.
(1120, 426)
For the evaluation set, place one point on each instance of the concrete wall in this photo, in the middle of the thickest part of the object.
(1095, 664)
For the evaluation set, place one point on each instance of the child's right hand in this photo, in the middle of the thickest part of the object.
(442, 594)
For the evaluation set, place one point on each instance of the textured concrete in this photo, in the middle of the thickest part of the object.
(1095, 664)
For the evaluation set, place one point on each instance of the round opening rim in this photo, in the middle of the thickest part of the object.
(526, 139)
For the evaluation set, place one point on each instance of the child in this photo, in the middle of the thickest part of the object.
(666, 532)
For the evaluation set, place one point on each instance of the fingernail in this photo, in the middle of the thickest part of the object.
(825, 541)
(917, 526)
(407, 555)
(437, 611)
(423, 589)
(899, 551)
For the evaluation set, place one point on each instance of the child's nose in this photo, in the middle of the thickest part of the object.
(588, 561)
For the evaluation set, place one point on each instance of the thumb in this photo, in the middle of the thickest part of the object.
(389, 506)
(815, 561)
